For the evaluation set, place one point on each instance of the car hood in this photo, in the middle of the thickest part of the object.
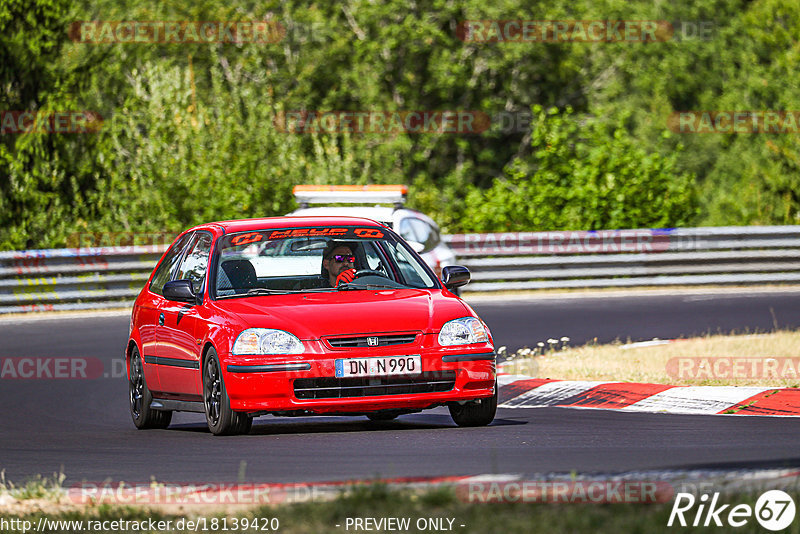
(312, 315)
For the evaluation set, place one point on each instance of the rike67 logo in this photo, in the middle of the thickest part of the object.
(774, 510)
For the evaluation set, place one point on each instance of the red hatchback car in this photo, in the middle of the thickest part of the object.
(301, 316)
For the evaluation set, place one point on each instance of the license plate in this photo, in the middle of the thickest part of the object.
(387, 365)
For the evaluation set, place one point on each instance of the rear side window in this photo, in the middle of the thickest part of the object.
(168, 264)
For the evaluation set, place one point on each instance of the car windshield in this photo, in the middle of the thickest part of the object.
(309, 259)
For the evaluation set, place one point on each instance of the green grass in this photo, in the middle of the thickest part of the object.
(38, 487)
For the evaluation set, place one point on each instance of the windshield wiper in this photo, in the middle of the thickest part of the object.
(350, 286)
(255, 291)
(265, 291)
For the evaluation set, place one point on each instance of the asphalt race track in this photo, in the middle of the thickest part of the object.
(516, 323)
(83, 428)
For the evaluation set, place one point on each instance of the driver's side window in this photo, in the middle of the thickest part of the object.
(168, 265)
(195, 263)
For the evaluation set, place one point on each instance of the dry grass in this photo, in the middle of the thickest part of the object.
(745, 360)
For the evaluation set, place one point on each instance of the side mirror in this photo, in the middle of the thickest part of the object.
(418, 247)
(454, 276)
(179, 291)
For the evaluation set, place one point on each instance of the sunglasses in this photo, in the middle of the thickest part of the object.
(341, 259)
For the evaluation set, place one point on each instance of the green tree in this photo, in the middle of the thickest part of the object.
(583, 173)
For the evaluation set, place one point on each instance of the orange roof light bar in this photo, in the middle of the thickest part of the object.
(350, 194)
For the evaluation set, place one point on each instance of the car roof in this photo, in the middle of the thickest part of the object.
(244, 225)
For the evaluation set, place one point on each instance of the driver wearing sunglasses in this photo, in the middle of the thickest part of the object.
(339, 264)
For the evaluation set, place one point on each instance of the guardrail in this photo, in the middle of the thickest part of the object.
(111, 277)
(74, 278)
(626, 258)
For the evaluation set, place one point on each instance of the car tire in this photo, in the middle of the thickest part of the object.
(221, 420)
(245, 423)
(143, 415)
(478, 413)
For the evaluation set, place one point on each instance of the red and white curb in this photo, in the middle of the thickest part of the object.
(526, 392)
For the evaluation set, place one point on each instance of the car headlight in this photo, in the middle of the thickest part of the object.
(463, 331)
(266, 341)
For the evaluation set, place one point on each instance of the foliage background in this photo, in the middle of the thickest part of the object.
(189, 136)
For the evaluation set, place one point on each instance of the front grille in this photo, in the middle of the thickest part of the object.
(338, 388)
(362, 341)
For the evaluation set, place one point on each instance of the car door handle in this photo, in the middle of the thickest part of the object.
(161, 320)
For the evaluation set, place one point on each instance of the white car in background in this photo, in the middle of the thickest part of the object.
(418, 229)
